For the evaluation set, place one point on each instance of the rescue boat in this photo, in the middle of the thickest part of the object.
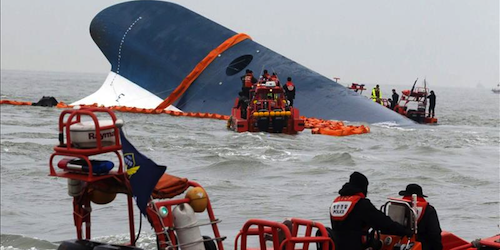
(496, 90)
(267, 111)
(413, 104)
(176, 203)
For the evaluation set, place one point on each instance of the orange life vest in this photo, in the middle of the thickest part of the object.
(343, 205)
(248, 80)
(421, 206)
(290, 86)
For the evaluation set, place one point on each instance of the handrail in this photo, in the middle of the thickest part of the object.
(261, 227)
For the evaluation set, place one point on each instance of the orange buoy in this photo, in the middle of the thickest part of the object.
(101, 198)
(198, 199)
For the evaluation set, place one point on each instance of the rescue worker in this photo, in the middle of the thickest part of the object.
(247, 82)
(395, 99)
(265, 76)
(352, 214)
(290, 90)
(376, 94)
(428, 228)
(275, 79)
(243, 104)
(432, 103)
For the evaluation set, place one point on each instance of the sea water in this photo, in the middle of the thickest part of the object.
(252, 175)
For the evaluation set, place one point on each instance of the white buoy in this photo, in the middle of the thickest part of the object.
(188, 233)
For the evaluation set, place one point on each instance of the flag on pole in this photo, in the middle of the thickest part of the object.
(142, 172)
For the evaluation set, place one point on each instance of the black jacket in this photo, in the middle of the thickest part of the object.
(395, 99)
(347, 233)
(432, 100)
(429, 230)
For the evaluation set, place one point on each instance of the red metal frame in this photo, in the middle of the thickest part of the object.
(166, 225)
(357, 87)
(260, 102)
(164, 228)
(258, 227)
(453, 242)
(81, 204)
(75, 117)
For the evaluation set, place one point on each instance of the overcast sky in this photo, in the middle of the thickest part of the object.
(450, 42)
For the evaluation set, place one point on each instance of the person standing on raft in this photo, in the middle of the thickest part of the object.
(289, 90)
(275, 79)
(265, 76)
(243, 104)
(432, 103)
(376, 94)
(395, 99)
(247, 82)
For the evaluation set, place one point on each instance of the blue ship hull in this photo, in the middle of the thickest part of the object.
(157, 44)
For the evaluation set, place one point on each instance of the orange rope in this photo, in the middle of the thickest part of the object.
(153, 111)
(14, 102)
(317, 126)
(186, 83)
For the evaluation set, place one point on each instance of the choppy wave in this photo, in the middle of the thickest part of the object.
(15, 242)
(336, 158)
(253, 175)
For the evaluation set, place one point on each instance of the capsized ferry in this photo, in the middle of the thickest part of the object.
(163, 55)
(173, 205)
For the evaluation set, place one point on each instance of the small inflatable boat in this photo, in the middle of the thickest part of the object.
(413, 104)
(267, 111)
(496, 90)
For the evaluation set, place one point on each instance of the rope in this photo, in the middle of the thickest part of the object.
(317, 126)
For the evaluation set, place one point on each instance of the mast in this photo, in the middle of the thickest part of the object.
(425, 89)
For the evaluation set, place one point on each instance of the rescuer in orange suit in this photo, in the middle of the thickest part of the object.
(289, 90)
(275, 79)
(247, 82)
(352, 214)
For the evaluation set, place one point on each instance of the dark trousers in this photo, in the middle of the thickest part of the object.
(243, 112)
(431, 111)
(246, 92)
